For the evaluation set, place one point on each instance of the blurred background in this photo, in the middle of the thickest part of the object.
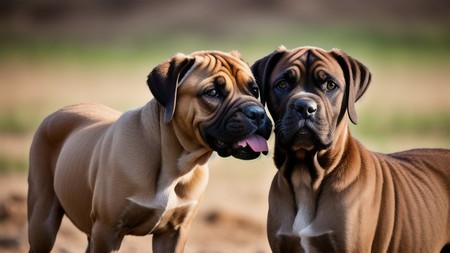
(55, 53)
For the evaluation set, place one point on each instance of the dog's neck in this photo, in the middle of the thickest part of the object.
(179, 174)
(178, 153)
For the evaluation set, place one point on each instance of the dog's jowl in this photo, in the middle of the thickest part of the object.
(330, 193)
(144, 171)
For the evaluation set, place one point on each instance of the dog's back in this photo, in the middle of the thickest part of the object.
(427, 167)
(50, 137)
(59, 126)
(421, 186)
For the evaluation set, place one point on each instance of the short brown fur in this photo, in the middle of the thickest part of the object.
(144, 171)
(330, 193)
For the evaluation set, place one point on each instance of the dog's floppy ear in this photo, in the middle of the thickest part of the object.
(357, 78)
(262, 69)
(164, 80)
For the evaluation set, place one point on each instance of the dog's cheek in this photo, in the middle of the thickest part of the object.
(338, 108)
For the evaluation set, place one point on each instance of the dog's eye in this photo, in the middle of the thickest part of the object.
(255, 91)
(331, 85)
(282, 85)
(213, 92)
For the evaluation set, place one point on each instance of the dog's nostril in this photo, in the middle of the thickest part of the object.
(311, 110)
(306, 107)
(255, 113)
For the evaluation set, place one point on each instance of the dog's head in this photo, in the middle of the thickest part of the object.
(211, 98)
(308, 92)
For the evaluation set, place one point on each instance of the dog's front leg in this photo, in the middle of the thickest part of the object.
(104, 238)
(282, 211)
(169, 241)
(172, 233)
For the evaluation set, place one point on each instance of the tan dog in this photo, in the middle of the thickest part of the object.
(330, 193)
(143, 171)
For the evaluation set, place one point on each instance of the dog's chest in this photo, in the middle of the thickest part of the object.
(170, 208)
(305, 222)
(164, 212)
(305, 199)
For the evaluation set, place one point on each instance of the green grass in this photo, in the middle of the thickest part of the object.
(381, 127)
(382, 48)
(10, 165)
(400, 44)
(16, 123)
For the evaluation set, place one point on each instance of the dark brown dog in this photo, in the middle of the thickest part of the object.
(143, 171)
(330, 193)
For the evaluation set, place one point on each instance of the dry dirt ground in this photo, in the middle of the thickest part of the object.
(232, 215)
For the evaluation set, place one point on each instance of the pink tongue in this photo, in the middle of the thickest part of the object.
(256, 142)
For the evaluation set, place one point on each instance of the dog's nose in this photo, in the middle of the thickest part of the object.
(306, 107)
(255, 113)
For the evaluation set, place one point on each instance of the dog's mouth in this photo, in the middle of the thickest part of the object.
(246, 149)
(303, 135)
(242, 133)
(304, 138)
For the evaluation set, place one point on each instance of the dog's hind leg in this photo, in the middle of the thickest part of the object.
(45, 213)
(44, 221)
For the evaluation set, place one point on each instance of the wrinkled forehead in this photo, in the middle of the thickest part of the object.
(216, 63)
(309, 59)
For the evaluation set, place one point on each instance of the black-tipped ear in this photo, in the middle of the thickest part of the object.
(262, 69)
(357, 78)
(164, 80)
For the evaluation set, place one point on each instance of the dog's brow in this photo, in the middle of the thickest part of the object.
(220, 81)
(224, 65)
(292, 73)
(310, 58)
(244, 76)
(297, 56)
(289, 73)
